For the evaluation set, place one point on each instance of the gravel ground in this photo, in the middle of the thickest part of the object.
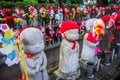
(110, 72)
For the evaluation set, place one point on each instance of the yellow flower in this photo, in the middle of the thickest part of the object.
(2, 19)
(31, 16)
(17, 19)
(73, 16)
(44, 14)
(99, 30)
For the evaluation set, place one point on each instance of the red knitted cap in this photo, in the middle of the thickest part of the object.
(105, 18)
(118, 16)
(68, 25)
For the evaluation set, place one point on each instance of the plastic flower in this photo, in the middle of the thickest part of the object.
(44, 14)
(31, 9)
(85, 11)
(17, 20)
(97, 50)
(59, 8)
(66, 11)
(98, 28)
(17, 10)
(41, 10)
(78, 9)
(2, 12)
(31, 15)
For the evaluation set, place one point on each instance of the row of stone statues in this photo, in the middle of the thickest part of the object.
(33, 62)
(70, 59)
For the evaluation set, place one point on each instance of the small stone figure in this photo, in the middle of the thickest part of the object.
(24, 18)
(52, 16)
(95, 30)
(89, 43)
(32, 16)
(67, 13)
(33, 45)
(43, 14)
(59, 16)
(69, 68)
(35, 21)
(89, 59)
(24, 22)
(78, 11)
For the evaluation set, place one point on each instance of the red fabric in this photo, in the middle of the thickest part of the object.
(66, 11)
(79, 22)
(105, 18)
(118, 16)
(49, 38)
(58, 34)
(68, 25)
(74, 42)
(111, 37)
(74, 45)
(23, 78)
(118, 27)
(19, 79)
(41, 27)
(51, 8)
(51, 33)
(91, 38)
(18, 35)
(45, 36)
(29, 55)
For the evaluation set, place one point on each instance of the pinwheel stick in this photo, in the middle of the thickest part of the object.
(23, 60)
(98, 64)
(113, 53)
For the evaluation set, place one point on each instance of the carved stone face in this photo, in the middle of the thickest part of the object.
(72, 34)
(32, 40)
(90, 24)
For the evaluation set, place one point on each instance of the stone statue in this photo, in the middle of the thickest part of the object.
(69, 68)
(95, 30)
(33, 45)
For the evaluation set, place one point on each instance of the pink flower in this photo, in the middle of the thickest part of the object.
(2, 12)
(97, 49)
(42, 10)
(31, 9)
(59, 9)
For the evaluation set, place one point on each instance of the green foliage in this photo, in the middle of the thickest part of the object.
(30, 1)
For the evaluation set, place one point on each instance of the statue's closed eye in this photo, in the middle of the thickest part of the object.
(25, 42)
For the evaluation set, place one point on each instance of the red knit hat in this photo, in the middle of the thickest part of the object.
(105, 18)
(22, 29)
(68, 25)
